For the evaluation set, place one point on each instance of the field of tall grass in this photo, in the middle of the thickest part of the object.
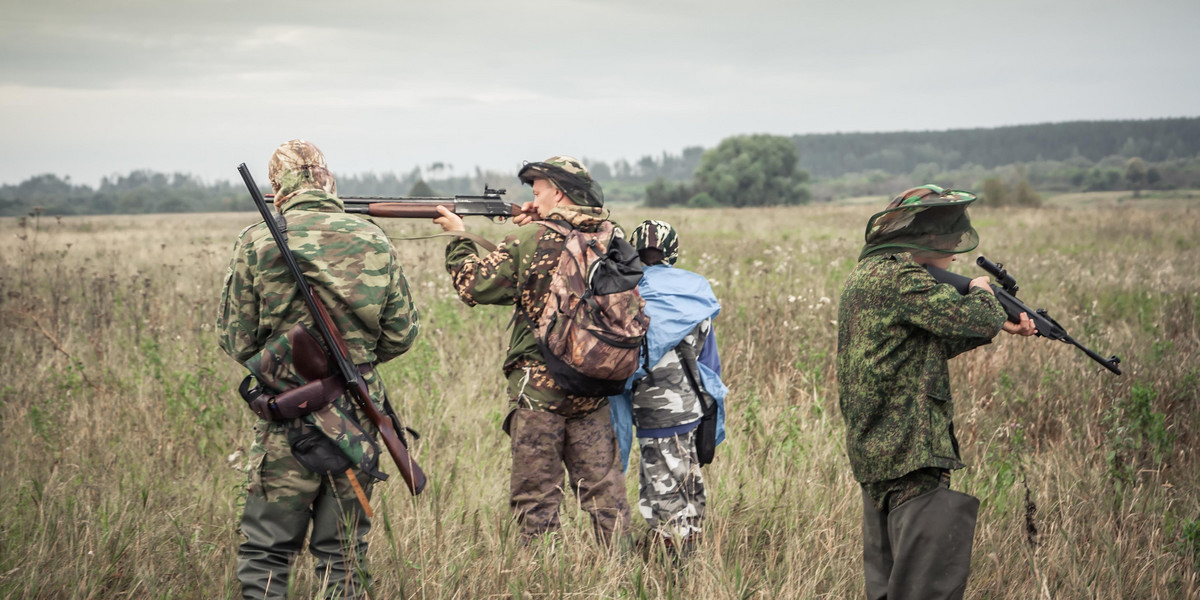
(122, 437)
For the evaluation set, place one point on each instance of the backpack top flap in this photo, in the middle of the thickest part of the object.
(618, 270)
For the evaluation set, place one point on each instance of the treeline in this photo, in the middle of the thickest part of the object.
(1078, 143)
(751, 170)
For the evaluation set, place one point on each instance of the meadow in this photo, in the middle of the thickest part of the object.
(123, 438)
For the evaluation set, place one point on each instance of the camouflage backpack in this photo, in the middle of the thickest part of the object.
(592, 329)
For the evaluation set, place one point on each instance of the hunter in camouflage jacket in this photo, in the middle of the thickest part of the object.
(518, 272)
(352, 267)
(897, 327)
(354, 271)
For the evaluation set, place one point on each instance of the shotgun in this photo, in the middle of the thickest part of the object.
(410, 471)
(490, 204)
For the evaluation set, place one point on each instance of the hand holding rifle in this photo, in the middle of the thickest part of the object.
(1024, 326)
(1020, 317)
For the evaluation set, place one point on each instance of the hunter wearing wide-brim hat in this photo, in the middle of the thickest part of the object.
(897, 328)
(549, 429)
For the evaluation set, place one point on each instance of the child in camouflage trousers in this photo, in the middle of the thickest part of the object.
(667, 402)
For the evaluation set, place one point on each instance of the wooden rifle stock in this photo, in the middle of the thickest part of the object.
(410, 471)
(428, 209)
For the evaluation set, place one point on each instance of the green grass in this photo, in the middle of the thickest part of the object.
(123, 436)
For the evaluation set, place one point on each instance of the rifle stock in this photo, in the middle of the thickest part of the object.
(1047, 327)
(410, 471)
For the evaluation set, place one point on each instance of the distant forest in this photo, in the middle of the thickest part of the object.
(1050, 158)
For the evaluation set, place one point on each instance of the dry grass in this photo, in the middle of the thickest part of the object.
(122, 430)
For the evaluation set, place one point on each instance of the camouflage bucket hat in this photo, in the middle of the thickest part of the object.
(569, 175)
(658, 235)
(298, 165)
(924, 220)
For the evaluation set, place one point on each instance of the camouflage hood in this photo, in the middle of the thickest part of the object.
(585, 218)
(298, 165)
(923, 220)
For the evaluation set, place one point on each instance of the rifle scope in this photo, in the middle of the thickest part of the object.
(1003, 279)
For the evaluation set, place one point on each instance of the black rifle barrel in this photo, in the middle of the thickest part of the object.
(1047, 327)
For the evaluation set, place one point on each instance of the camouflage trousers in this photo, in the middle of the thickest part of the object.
(283, 500)
(542, 443)
(671, 493)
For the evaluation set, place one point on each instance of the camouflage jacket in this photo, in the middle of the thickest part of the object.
(518, 272)
(352, 268)
(897, 327)
(665, 397)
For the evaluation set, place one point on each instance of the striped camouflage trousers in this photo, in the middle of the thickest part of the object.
(671, 488)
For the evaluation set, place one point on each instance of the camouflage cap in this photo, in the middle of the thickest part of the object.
(568, 174)
(924, 219)
(298, 165)
(658, 235)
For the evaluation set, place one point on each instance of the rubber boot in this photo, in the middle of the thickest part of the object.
(877, 550)
(931, 537)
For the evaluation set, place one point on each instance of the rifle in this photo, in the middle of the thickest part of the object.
(410, 471)
(489, 204)
(1006, 293)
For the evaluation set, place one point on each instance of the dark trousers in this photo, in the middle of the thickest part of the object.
(283, 502)
(920, 549)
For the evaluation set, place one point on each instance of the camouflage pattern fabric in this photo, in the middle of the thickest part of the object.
(658, 235)
(518, 272)
(298, 165)
(888, 494)
(925, 220)
(352, 268)
(272, 366)
(665, 397)
(597, 335)
(671, 494)
(897, 327)
(587, 447)
(354, 271)
(282, 499)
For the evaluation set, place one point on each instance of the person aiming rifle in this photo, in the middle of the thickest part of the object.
(310, 267)
(549, 428)
(897, 328)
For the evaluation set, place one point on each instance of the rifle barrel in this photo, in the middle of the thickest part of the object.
(1047, 327)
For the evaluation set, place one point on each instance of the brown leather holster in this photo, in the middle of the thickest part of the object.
(310, 362)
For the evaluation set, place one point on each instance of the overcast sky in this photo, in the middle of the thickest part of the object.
(90, 88)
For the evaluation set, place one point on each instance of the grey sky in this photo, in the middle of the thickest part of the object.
(103, 87)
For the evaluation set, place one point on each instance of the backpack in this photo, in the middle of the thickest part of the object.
(595, 322)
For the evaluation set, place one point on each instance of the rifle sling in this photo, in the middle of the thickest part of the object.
(474, 237)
